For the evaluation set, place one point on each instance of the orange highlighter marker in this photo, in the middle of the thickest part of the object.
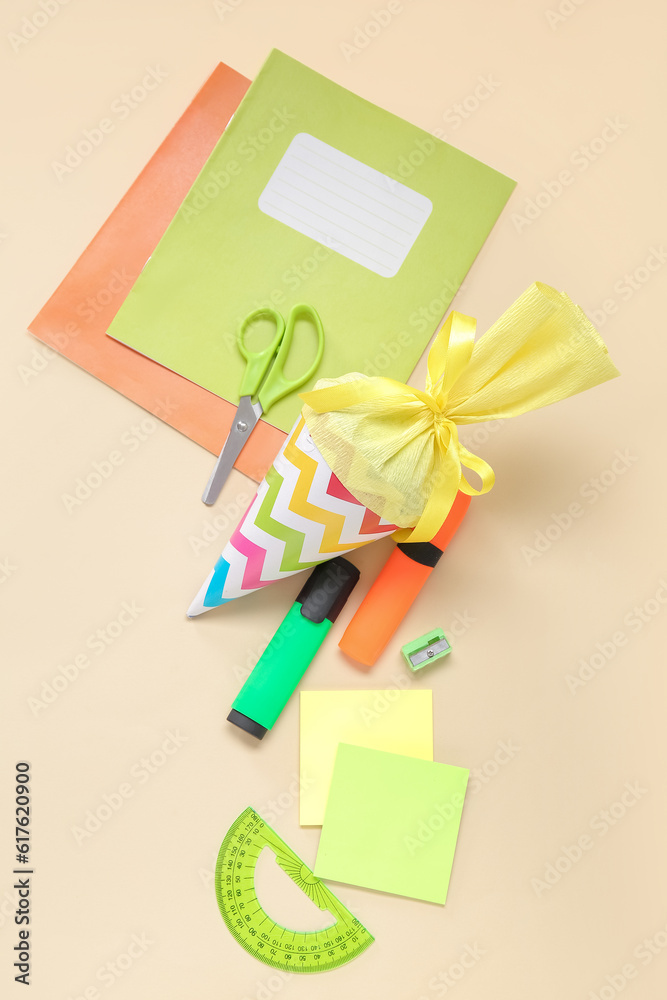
(401, 578)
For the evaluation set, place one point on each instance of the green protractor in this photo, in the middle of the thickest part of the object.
(258, 933)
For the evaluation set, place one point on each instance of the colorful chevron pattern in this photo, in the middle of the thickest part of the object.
(301, 515)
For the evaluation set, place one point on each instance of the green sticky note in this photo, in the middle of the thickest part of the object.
(312, 195)
(391, 823)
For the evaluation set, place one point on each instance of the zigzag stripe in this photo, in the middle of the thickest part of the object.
(352, 512)
(238, 552)
(270, 520)
(292, 539)
(254, 560)
(372, 523)
(348, 459)
(260, 540)
(333, 522)
(311, 532)
(216, 586)
(247, 555)
(340, 492)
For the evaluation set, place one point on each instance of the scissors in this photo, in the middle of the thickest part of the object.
(263, 376)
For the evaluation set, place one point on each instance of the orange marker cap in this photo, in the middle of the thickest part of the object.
(401, 578)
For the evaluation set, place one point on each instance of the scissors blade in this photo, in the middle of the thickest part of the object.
(247, 415)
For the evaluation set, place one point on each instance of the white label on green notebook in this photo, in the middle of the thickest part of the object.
(346, 205)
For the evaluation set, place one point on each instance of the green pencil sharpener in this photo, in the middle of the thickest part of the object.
(426, 649)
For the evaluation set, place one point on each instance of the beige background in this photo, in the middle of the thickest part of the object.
(553, 80)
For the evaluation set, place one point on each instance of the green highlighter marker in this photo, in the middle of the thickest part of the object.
(301, 633)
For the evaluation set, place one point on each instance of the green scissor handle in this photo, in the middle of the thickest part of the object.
(258, 361)
(275, 384)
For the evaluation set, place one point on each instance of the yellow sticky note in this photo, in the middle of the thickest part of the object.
(396, 721)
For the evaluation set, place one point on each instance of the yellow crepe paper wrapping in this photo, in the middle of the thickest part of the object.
(396, 448)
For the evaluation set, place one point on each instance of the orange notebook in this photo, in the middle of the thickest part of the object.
(75, 319)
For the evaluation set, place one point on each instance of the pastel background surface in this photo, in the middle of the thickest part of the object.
(550, 762)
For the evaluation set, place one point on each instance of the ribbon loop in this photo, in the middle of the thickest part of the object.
(449, 355)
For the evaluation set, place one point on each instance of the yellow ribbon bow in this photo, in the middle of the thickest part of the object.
(396, 448)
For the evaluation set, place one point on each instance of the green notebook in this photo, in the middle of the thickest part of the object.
(313, 195)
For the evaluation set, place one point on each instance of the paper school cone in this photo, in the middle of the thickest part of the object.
(371, 456)
(301, 515)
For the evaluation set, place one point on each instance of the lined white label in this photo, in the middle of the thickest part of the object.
(355, 210)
